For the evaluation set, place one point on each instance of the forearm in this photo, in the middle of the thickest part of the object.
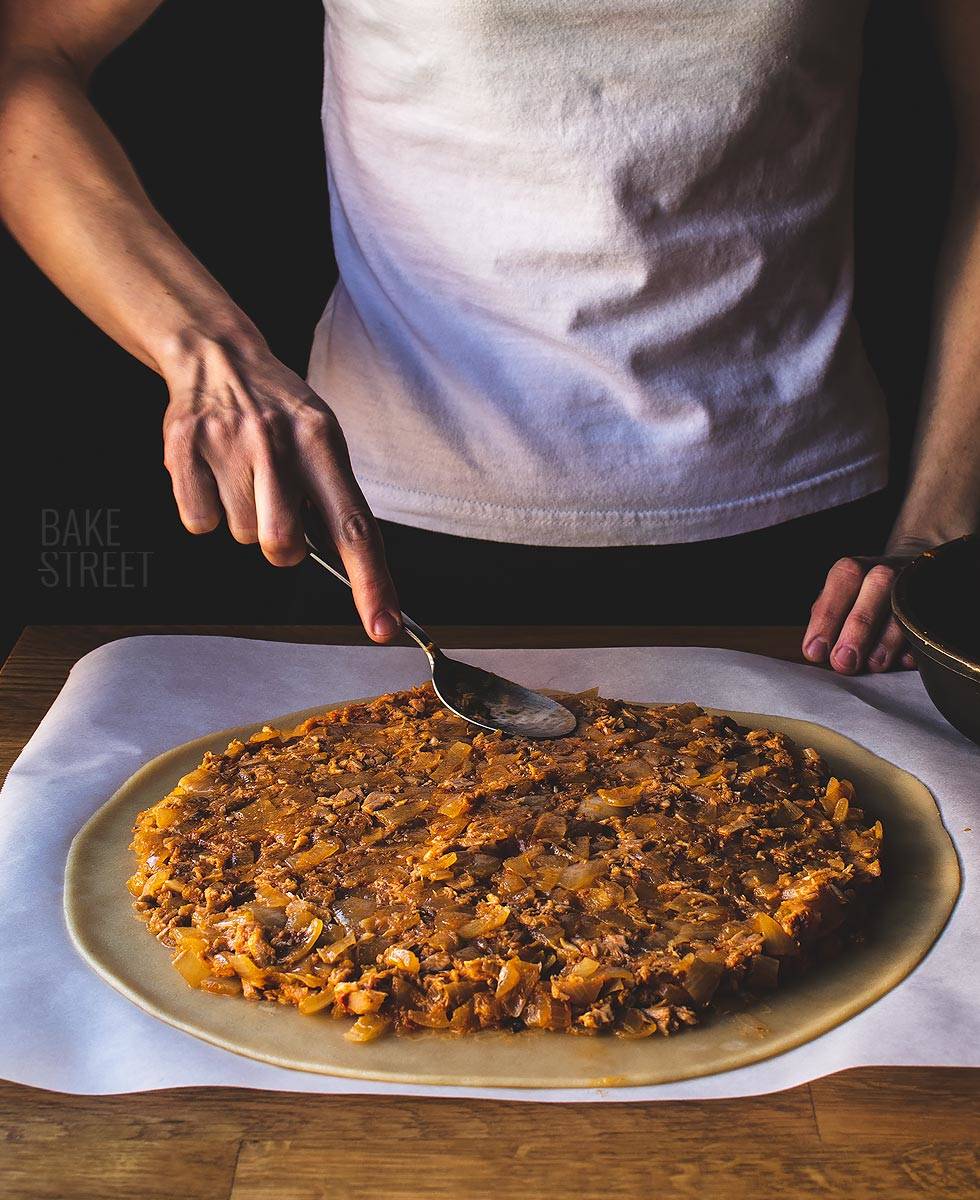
(943, 498)
(850, 624)
(70, 196)
(243, 437)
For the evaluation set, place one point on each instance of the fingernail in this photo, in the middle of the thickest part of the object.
(816, 649)
(878, 658)
(846, 658)
(385, 624)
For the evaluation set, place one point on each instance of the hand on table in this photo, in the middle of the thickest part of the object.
(246, 438)
(851, 624)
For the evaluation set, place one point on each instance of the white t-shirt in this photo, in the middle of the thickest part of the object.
(596, 265)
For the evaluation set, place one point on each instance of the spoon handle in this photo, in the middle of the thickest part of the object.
(412, 628)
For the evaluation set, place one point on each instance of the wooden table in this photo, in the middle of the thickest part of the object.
(892, 1133)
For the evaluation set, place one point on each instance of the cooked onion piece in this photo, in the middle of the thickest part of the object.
(388, 864)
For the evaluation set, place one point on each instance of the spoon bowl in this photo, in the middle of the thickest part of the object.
(493, 702)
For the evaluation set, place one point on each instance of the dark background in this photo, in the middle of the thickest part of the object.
(217, 103)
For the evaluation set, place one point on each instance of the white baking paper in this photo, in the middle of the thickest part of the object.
(63, 1028)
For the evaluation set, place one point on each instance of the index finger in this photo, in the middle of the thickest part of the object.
(839, 592)
(355, 533)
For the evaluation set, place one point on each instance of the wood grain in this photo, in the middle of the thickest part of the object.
(894, 1132)
(841, 1137)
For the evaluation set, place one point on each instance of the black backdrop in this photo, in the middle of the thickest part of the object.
(217, 102)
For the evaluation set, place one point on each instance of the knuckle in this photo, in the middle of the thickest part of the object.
(355, 529)
(316, 420)
(862, 620)
(272, 419)
(221, 425)
(180, 417)
(828, 610)
(847, 569)
(894, 641)
(178, 442)
(882, 575)
(319, 427)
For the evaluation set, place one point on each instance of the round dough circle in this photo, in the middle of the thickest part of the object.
(913, 900)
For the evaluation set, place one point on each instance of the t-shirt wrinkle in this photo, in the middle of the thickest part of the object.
(596, 265)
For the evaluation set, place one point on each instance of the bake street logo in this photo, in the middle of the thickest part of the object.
(81, 549)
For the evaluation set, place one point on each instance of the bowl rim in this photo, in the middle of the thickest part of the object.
(920, 638)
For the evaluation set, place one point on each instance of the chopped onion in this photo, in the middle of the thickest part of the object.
(193, 968)
(222, 987)
(580, 875)
(404, 960)
(367, 1028)
(247, 969)
(330, 954)
(312, 934)
(316, 854)
(366, 1001)
(316, 1001)
(775, 938)
(621, 797)
(486, 922)
(702, 978)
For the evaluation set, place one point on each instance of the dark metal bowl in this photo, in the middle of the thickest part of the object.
(936, 599)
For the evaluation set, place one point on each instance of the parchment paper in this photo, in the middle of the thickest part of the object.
(64, 1028)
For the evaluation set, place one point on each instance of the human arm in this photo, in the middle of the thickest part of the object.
(243, 435)
(850, 625)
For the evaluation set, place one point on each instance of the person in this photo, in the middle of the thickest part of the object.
(594, 298)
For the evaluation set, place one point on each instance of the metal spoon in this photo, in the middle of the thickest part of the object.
(480, 697)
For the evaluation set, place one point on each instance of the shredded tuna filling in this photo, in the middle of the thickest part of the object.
(387, 862)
